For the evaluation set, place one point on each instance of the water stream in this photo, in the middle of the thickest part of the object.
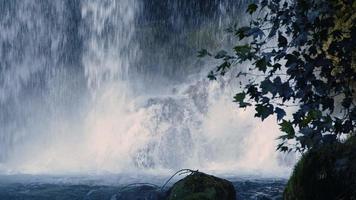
(96, 87)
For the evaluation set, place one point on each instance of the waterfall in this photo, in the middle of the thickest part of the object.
(115, 86)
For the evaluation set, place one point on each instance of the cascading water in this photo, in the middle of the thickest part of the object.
(115, 86)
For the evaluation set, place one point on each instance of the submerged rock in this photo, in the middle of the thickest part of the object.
(325, 173)
(200, 186)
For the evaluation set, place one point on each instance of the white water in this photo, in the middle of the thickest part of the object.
(86, 117)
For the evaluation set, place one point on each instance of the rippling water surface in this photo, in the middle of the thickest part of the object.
(22, 187)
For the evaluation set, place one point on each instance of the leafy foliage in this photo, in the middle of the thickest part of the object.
(303, 56)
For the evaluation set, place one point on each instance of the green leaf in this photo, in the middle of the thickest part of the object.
(203, 53)
(243, 51)
(263, 111)
(239, 98)
(244, 104)
(242, 32)
(261, 64)
(315, 114)
(252, 8)
(281, 147)
(287, 127)
(221, 54)
(267, 86)
(223, 68)
(280, 113)
(282, 41)
(211, 76)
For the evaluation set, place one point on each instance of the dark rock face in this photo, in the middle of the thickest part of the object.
(200, 186)
(325, 173)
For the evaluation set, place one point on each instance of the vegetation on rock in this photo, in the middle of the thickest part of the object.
(326, 173)
(201, 186)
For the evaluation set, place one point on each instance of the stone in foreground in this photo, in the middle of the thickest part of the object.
(201, 186)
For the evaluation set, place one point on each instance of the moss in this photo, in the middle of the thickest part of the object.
(200, 186)
(326, 173)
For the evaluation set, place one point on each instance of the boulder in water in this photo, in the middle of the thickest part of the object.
(201, 186)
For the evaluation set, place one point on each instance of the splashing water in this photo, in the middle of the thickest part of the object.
(112, 86)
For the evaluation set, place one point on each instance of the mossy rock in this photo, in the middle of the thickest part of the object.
(325, 173)
(201, 186)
